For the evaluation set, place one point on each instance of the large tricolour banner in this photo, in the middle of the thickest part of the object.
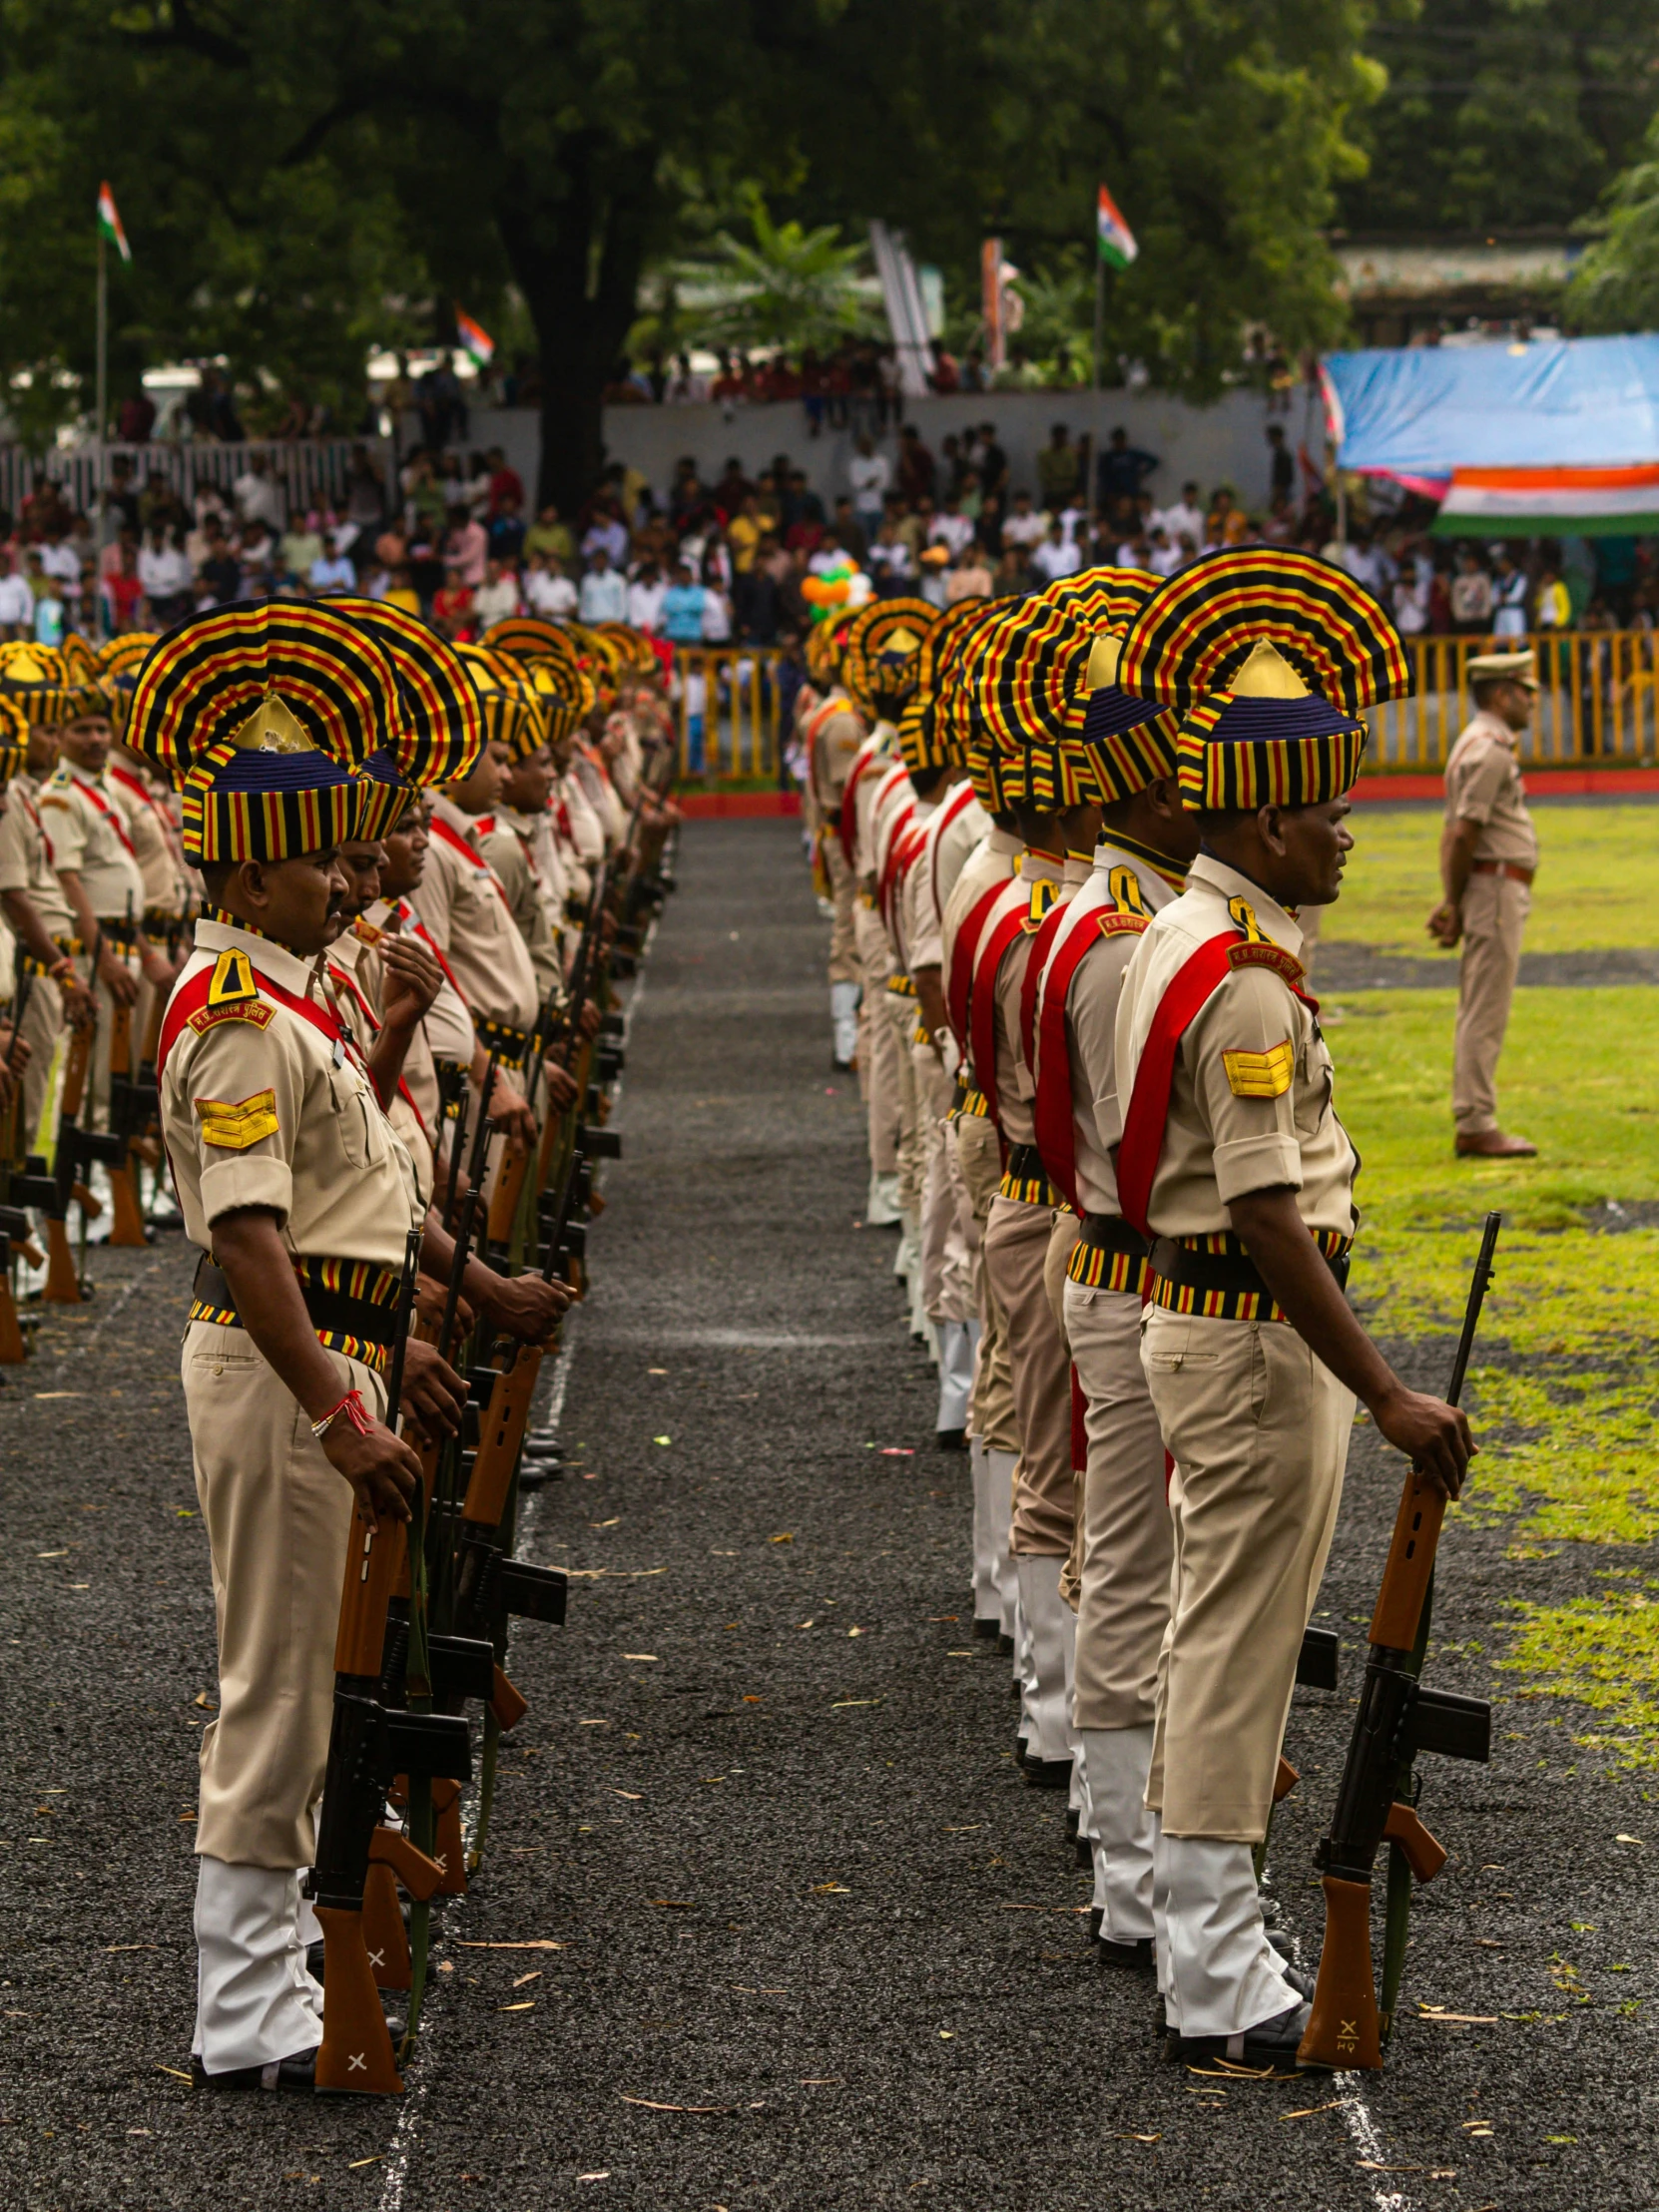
(1537, 502)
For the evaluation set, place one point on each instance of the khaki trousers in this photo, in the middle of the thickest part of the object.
(1494, 916)
(1016, 1247)
(42, 1027)
(1123, 1607)
(946, 1263)
(278, 1519)
(977, 1161)
(900, 1014)
(1258, 1429)
(877, 1044)
(843, 892)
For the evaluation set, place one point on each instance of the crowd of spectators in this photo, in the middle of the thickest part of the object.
(855, 386)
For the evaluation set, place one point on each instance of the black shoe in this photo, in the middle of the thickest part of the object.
(951, 1439)
(297, 2073)
(1137, 1954)
(535, 1474)
(1005, 1645)
(1074, 1816)
(1097, 1913)
(1048, 1774)
(1084, 1850)
(840, 1067)
(984, 1627)
(1022, 1749)
(1270, 2044)
(314, 1959)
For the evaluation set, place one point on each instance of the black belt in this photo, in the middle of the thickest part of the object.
(509, 1044)
(1025, 1163)
(1108, 1233)
(120, 932)
(1231, 1272)
(345, 1318)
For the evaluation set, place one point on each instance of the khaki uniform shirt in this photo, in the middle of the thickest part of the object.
(465, 906)
(1483, 785)
(506, 852)
(993, 860)
(835, 734)
(536, 833)
(446, 1028)
(165, 886)
(89, 834)
(26, 854)
(1250, 1102)
(1092, 1007)
(1015, 1091)
(880, 743)
(353, 957)
(259, 1108)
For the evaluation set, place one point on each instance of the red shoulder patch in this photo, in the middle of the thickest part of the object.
(1114, 923)
(256, 1010)
(1284, 964)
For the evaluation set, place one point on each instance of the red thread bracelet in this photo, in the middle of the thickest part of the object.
(352, 1405)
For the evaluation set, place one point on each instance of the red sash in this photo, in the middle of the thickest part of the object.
(141, 792)
(190, 997)
(957, 803)
(476, 861)
(901, 850)
(1043, 945)
(810, 725)
(1056, 1131)
(982, 1002)
(961, 962)
(849, 817)
(1189, 991)
(112, 814)
(373, 1022)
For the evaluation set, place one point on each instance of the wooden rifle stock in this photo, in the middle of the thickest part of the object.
(126, 1222)
(1345, 2027)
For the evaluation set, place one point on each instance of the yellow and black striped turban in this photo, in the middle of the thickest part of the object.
(880, 651)
(264, 715)
(1029, 697)
(928, 733)
(1271, 657)
(440, 726)
(1130, 741)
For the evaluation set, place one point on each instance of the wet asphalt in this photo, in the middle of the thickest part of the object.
(820, 1943)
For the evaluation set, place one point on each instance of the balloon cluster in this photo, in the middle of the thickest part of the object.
(842, 584)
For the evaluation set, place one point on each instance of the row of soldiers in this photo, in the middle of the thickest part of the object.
(1066, 846)
(377, 889)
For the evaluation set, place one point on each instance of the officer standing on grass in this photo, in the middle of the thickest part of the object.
(1489, 857)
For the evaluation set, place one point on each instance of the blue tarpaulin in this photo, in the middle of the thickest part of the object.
(1425, 410)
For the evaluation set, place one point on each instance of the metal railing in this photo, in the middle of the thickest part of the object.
(727, 710)
(310, 472)
(1596, 702)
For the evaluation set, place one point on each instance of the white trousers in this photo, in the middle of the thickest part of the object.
(1218, 1975)
(256, 2002)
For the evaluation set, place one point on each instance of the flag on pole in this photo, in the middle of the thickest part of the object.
(475, 339)
(1112, 235)
(109, 222)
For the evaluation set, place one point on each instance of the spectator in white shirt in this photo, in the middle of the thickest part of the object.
(1057, 556)
(717, 613)
(165, 576)
(496, 598)
(1024, 527)
(548, 591)
(888, 560)
(952, 528)
(645, 598)
(17, 601)
(1186, 517)
(1163, 556)
(60, 560)
(870, 474)
(259, 498)
(603, 596)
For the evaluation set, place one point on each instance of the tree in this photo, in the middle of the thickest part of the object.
(792, 287)
(1616, 285)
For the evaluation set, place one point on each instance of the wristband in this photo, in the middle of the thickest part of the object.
(352, 1405)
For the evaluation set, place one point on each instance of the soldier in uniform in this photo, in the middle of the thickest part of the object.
(831, 735)
(1489, 857)
(42, 923)
(300, 1195)
(1233, 1159)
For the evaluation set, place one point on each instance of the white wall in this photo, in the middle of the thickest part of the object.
(1225, 443)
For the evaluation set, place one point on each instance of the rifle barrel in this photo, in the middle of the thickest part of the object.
(1478, 1286)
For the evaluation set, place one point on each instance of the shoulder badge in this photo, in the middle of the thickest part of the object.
(257, 1010)
(1263, 952)
(232, 978)
(1243, 913)
(1115, 924)
(1125, 887)
(1044, 891)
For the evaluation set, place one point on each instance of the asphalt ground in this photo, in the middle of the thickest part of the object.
(822, 1946)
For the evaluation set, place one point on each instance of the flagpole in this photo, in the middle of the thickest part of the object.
(1099, 312)
(103, 379)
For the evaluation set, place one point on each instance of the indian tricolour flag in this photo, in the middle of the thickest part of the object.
(109, 222)
(475, 339)
(1112, 235)
(1549, 502)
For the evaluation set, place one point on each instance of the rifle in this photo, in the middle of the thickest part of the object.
(76, 1149)
(1377, 1794)
(368, 1746)
(134, 1105)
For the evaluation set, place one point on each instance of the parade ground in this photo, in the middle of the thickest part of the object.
(769, 1917)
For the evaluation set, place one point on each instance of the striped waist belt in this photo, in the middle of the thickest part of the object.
(158, 921)
(511, 1046)
(1026, 1179)
(120, 932)
(69, 945)
(967, 1100)
(352, 1304)
(1510, 869)
(1215, 1278)
(901, 987)
(1109, 1256)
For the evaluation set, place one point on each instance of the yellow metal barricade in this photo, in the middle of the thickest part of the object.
(1595, 701)
(728, 709)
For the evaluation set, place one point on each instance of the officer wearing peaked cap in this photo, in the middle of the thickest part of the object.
(1489, 857)
(1234, 1159)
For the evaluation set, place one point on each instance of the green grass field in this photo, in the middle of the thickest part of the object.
(1569, 1462)
(1597, 888)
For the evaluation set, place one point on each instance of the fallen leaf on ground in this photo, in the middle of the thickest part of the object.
(787, 1538)
(1121, 2136)
(651, 2105)
(176, 2075)
(525, 2005)
(128, 1947)
(830, 1888)
(675, 1905)
(841, 1704)
(823, 2081)
(650, 1656)
(634, 1796)
(1461, 2019)
(1311, 2111)
(662, 1439)
(1375, 2166)
(1636, 1840)
(604, 2173)
(201, 1698)
(531, 1943)
(65, 1555)
(353, 2164)
(534, 1975)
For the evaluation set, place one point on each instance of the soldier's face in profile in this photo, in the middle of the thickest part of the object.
(297, 901)
(1316, 842)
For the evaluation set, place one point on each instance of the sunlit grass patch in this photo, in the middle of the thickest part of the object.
(1602, 1651)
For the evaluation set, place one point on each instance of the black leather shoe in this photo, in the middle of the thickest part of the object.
(1005, 1644)
(1084, 1851)
(951, 1439)
(984, 1627)
(1137, 1954)
(1097, 1914)
(1022, 1749)
(297, 2073)
(1074, 1816)
(1272, 2043)
(1048, 1774)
